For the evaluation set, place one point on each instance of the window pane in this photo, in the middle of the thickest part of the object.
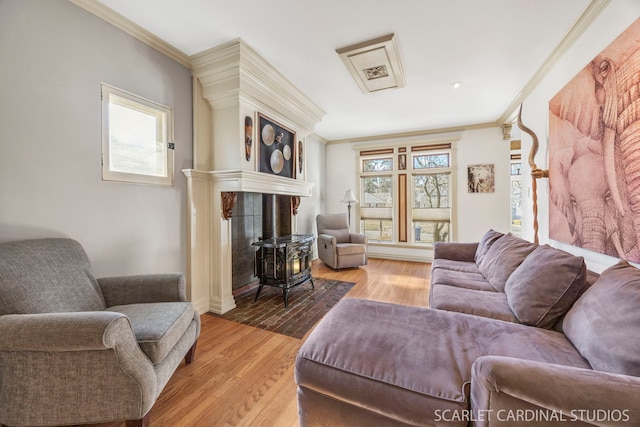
(137, 142)
(377, 230)
(377, 192)
(374, 165)
(516, 208)
(431, 191)
(431, 161)
(515, 168)
(429, 232)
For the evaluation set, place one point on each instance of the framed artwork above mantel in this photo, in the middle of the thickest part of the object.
(277, 148)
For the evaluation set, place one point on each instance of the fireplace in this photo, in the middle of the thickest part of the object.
(233, 85)
(284, 262)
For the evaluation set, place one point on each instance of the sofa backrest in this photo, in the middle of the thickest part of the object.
(604, 324)
(47, 276)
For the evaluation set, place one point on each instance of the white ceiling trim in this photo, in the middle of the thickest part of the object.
(586, 19)
(508, 116)
(114, 18)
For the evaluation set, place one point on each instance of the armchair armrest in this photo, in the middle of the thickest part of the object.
(144, 288)
(326, 239)
(78, 331)
(359, 238)
(455, 251)
(501, 386)
(54, 359)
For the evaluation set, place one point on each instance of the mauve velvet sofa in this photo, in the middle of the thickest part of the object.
(529, 354)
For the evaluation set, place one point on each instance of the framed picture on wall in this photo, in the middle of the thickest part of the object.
(276, 148)
(480, 179)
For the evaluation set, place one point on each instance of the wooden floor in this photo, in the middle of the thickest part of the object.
(243, 376)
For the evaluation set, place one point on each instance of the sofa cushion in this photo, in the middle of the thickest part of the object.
(157, 326)
(454, 265)
(412, 363)
(47, 276)
(479, 303)
(545, 286)
(485, 244)
(604, 324)
(460, 279)
(502, 258)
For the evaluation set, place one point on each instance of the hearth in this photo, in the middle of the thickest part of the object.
(284, 262)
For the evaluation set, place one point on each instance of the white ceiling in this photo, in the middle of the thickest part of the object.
(493, 46)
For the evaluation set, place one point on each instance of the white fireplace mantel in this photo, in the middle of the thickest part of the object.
(232, 82)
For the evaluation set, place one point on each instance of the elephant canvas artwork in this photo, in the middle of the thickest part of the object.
(594, 153)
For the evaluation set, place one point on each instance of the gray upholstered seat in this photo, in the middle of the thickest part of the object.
(75, 349)
(337, 246)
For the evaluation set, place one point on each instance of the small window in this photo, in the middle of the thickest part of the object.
(375, 165)
(137, 139)
(431, 161)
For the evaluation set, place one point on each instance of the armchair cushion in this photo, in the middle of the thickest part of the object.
(349, 249)
(157, 326)
(47, 276)
(604, 324)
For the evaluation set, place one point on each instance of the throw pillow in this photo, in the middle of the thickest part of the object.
(545, 285)
(485, 243)
(502, 258)
(604, 324)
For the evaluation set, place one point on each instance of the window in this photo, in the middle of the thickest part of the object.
(137, 139)
(516, 195)
(376, 209)
(431, 211)
(406, 202)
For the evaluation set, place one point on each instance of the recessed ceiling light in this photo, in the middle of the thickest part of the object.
(456, 84)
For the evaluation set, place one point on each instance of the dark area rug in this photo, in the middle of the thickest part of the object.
(306, 306)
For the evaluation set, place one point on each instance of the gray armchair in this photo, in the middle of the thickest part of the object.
(75, 349)
(337, 246)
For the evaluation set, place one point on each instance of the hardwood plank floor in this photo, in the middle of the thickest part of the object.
(243, 376)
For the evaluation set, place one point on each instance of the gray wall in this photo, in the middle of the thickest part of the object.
(53, 57)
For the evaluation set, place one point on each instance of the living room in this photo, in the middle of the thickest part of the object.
(55, 57)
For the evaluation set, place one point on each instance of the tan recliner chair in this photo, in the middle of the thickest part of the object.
(337, 246)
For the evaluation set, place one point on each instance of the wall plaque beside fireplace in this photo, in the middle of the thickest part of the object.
(276, 148)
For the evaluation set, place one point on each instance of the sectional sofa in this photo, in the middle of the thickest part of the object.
(516, 335)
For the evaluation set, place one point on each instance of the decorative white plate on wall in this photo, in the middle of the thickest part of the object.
(277, 161)
(286, 151)
(268, 135)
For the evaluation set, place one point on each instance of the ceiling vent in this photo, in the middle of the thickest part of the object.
(374, 64)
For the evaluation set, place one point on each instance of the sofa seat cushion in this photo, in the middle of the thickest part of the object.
(409, 362)
(460, 279)
(454, 265)
(344, 249)
(157, 326)
(545, 286)
(479, 303)
(604, 324)
(502, 258)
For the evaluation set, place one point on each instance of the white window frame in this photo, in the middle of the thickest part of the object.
(408, 151)
(111, 94)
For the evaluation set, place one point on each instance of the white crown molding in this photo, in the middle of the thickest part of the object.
(413, 134)
(235, 70)
(589, 15)
(114, 18)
